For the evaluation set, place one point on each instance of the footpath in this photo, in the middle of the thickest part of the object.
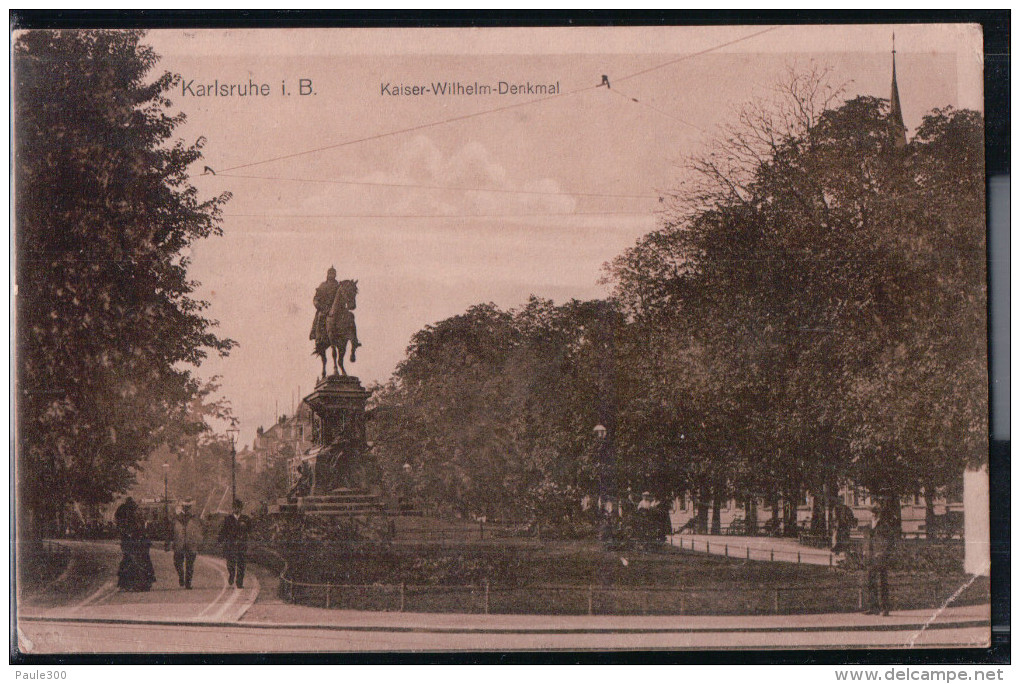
(775, 549)
(94, 565)
(217, 618)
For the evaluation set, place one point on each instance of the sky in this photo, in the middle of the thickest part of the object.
(435, 203)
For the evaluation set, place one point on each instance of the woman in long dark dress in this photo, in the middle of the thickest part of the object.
(135, 572)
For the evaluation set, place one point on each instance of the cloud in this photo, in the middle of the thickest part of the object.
(444, 179)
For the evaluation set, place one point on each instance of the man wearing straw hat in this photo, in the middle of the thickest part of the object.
(186, 540)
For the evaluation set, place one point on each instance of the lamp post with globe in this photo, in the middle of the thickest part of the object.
(233, 432)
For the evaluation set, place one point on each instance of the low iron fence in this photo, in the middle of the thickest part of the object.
(479, 531)
(731, 549)
(43, 548)
(594, 599)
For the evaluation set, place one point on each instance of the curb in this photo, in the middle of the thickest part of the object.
(899, 627)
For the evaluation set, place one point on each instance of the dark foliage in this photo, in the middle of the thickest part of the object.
(106, 324)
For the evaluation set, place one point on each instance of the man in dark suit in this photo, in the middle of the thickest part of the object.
(879, 540)
(234, 537)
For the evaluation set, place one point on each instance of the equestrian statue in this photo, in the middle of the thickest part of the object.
(333, 325)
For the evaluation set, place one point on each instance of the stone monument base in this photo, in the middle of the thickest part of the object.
(341, 460)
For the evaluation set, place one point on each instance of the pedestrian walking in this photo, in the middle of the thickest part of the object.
(879, 539)
(187, 537)
(135, 572)
(234, 538)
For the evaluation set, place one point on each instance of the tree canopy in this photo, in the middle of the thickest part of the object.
(838, 300)
(809, 315)
(107, 327)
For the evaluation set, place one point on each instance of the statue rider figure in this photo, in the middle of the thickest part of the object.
(323, 300)
(325, 294)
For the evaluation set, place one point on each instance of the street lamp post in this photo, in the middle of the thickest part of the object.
(404, 497)
(600, 433)
(233, 465)
(166, 490)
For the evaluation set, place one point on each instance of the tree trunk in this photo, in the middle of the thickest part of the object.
(791, 499)
(929, 511)
(892, 510)
(817, 514)
(897, 513)
(751, 516)
(831, 501)
(701, 527)
(716, 518)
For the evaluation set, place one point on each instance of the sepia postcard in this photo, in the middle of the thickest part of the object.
(500, 339)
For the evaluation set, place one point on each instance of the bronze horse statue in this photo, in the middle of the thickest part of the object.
(339, 328)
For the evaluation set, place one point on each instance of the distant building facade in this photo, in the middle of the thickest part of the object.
(913, 510)
(286, 440)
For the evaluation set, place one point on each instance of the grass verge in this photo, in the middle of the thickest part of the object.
(582, 577)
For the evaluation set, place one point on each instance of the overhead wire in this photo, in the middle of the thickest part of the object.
(506, 191)
(691, 55)
(443, 216)
(494, 110)
(629, 98)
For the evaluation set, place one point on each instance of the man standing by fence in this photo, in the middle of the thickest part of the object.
(234, 537)
(879, 539)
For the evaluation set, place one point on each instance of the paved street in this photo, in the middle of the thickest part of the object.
(410, 632)
(214, 618)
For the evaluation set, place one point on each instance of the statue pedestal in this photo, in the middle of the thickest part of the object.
(338, 403)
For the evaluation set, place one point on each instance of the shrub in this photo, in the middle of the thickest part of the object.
(914, 557)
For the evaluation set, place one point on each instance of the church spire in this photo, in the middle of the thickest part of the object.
(895, 113)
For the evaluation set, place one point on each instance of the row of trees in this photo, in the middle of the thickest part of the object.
(107, 327)
(493, 410)
(810, 313)
(198, 461)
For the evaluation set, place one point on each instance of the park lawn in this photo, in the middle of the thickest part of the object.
(582, 577)
(38, 565)
(47, 580)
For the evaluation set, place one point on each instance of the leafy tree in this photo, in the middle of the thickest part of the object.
(928, 392)
(809, 315)
(494, 410)
(830, 285)
(443, 413)
(106, 327)
(198, 457)
(269, 485)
